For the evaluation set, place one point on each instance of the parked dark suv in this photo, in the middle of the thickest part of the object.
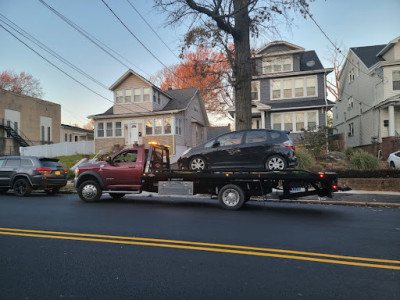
(250, 149)
(26, 173)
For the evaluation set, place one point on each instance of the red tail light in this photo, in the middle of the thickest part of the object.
(43, 169)
(289, 145)
(66, 170)
(321, 175)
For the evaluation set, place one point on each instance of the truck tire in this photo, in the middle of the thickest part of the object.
(116, 196)
(22, 187)
(231, 197)
(89, 191)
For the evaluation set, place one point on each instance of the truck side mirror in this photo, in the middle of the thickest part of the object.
(109, 160)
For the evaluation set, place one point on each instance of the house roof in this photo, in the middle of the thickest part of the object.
(309, 61)
(289, 46)
(180, 99)
(368, 54)
(70, 127)
(388, 46)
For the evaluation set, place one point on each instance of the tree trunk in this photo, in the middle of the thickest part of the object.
(242, 67)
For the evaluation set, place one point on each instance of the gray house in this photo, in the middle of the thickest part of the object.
(288, 89)
(368, 109)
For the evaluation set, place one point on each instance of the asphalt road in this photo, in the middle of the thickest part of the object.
(169, 248)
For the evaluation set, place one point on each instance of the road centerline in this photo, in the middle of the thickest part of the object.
(222, 248)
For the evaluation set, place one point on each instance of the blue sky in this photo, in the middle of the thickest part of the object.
(352, 23)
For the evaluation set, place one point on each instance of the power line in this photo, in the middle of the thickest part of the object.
(93, 39)
(152, 29)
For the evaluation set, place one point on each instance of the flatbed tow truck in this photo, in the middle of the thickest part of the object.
(138, 169)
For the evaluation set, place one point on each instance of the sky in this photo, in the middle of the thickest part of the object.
(349, 23)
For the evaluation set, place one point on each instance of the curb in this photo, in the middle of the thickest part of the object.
(344, 203)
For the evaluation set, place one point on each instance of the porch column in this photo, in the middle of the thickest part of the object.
(262, 119)
(391, 121)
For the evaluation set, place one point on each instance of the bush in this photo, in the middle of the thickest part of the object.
(349, 153)
(364, 161)
(70, 175)
(304, 160)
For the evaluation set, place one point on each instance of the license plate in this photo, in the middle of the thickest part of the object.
(57, 172)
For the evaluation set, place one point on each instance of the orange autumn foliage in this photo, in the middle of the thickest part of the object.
(205, 69)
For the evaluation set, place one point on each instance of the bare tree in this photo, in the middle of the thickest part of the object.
(336, 58)
(22, 83)
(222, 22)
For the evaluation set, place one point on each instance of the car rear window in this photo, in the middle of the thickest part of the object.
(49, 164)
(275, 135)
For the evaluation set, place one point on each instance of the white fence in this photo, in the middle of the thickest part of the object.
(61, 149)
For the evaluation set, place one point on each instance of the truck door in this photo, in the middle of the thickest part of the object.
(8, 170)
(125, 171)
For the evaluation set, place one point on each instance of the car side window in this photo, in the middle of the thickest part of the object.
(397, 154)
(209, 144)
(275, 135)
(129, 156)
(12, 162)
(26, 162)
(229, 139)
(2, 160)
(257, 136)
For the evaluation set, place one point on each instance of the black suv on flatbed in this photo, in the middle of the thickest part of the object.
(26, 173)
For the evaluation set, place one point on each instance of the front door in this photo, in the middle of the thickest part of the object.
(133, 133)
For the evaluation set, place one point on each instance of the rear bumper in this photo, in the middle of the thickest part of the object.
(40, 182)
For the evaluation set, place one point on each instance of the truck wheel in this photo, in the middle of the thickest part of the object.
(116, 196)
(231, 197)
(89, 191)
(275, 163)
(22, 187)
(197, 163)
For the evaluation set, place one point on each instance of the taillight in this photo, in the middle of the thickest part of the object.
(66, 170)
(43, 169)
(289, 145)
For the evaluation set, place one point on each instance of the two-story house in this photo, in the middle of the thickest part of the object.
(368, 109)
(27, 121)
(142, 113)
(288, 89)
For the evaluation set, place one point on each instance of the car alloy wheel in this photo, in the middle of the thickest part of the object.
(276, 163)
(197, 163)
(22, 187)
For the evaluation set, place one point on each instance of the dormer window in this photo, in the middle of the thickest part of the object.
(277, 64)
(396, 80)
(119, 96)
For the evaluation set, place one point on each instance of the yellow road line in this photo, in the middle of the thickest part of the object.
(82, 238)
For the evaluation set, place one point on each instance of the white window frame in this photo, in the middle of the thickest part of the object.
(255, 84)
(393, 71)
(293, 83)
(293, 118)
(276, 61)
(350, 103)
(351, 129)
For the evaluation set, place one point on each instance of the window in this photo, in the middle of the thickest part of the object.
(312, 120)
(119, 96)
(43, 133)
(8, 125)
(351, 129)
(295, 121)
(255, 87)
(281, 64)
(294, 87)
(2, 161)
(76, 138)
(351, 75)
(118, 129)
(350, 103)
(13, 162)
(109, 129)
(167, 126)
(146, 94)
(276, 89)
(158, 126)
(66, 137)
(70, 137)
(229, 139)
(48, 134)
(137, 97)
(149, 127)
(26, 162)
(178, 126)
(256, 137)
(276, 121)
(126, 157)
(396, 80)
(288, 122)
(128, 96)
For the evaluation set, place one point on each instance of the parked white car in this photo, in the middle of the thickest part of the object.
(394, 160)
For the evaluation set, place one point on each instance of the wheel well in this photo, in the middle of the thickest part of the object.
(276, 154)
(86, 178)
(21, 177)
